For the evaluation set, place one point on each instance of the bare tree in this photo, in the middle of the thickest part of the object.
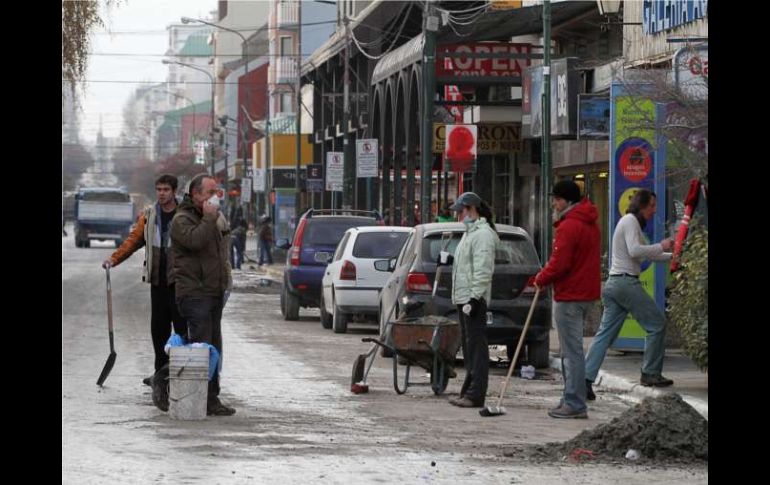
(79, 18)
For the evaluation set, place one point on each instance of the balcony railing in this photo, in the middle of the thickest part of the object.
(287, 13)
(285, 70)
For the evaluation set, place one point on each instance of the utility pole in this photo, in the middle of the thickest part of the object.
(429, 28)
(297, 195)
(349, 173)
(545, 166)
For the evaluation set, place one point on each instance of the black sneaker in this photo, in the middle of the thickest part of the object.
(590, 396)
(215, 408)
(653, 380)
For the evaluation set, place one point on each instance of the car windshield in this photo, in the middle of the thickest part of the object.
(329, 232)
(513, 249)
(379, 245)
(106, 196)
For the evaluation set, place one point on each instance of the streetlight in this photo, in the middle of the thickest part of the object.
(245, 54)
(166, 61)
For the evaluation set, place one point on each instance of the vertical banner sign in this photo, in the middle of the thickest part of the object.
(246, 190)
(637, 161)
(366, 158)
(460, 147)
(334, 171)
(259, 180)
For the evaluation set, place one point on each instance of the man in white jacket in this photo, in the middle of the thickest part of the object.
(623, 294)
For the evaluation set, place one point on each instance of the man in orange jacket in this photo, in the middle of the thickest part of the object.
(152, 232)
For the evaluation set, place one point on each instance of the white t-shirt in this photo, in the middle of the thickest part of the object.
(629, 248)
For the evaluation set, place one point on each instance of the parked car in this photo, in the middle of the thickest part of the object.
(351, 285)
(413, 272)
(307, 255)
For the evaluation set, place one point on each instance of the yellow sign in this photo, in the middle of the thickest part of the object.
(492, 139)
(505, 4)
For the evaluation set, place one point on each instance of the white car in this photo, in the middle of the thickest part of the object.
(351, 285)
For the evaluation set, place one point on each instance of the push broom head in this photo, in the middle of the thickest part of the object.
(492, 411)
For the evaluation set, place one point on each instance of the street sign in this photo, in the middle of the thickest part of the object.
(315, 177)
(334, 171)
(460, 147)
(366, 158)
(246, 190)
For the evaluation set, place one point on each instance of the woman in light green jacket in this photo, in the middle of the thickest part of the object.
(474, 264)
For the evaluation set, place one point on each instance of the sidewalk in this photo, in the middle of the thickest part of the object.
(621, 372)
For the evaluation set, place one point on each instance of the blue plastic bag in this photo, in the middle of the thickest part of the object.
(176, 340)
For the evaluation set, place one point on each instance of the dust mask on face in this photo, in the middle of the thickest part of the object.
(214, 200)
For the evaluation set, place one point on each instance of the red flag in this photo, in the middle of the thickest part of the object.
(690, 203)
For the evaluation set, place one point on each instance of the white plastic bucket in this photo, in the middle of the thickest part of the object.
(188, 383)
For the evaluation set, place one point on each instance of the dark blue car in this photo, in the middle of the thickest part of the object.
(314, 242)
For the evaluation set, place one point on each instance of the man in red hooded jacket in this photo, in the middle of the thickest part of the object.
(575, 272)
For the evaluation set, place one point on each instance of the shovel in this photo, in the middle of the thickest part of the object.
(111, 358)
(499, 409)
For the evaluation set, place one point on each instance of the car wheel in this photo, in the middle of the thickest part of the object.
(383, 351)
(292, 305)
(326, 319)
(87, 243)
(339, 319)
(538, 353)
(283, 301)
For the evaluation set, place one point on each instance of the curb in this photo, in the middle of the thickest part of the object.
(638, 391)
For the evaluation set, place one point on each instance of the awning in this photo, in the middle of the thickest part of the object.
(398, 59)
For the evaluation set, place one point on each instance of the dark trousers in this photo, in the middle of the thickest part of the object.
(475, 353)
(204, 324)
(237, 248)
(164, 313)
(264, 252)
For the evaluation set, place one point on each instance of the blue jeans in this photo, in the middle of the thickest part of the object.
(570, 316)
(623, 295)
(264, 252)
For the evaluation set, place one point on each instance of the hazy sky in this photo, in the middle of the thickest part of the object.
(137, 27)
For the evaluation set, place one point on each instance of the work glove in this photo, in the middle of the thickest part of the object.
(531, 280)
(445, 258)
(472, 307)
(107, 264)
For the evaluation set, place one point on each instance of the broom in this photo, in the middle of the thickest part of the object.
(499, 409)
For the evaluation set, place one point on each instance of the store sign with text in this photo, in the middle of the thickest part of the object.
(492, 138)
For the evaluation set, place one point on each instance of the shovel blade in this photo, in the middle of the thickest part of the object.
(107, 368)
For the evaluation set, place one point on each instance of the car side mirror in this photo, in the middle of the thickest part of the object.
(283, 244)
(329, 259)
(392, 264)
(382, 265)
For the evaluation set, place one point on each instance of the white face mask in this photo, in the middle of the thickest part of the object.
(214, 200)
